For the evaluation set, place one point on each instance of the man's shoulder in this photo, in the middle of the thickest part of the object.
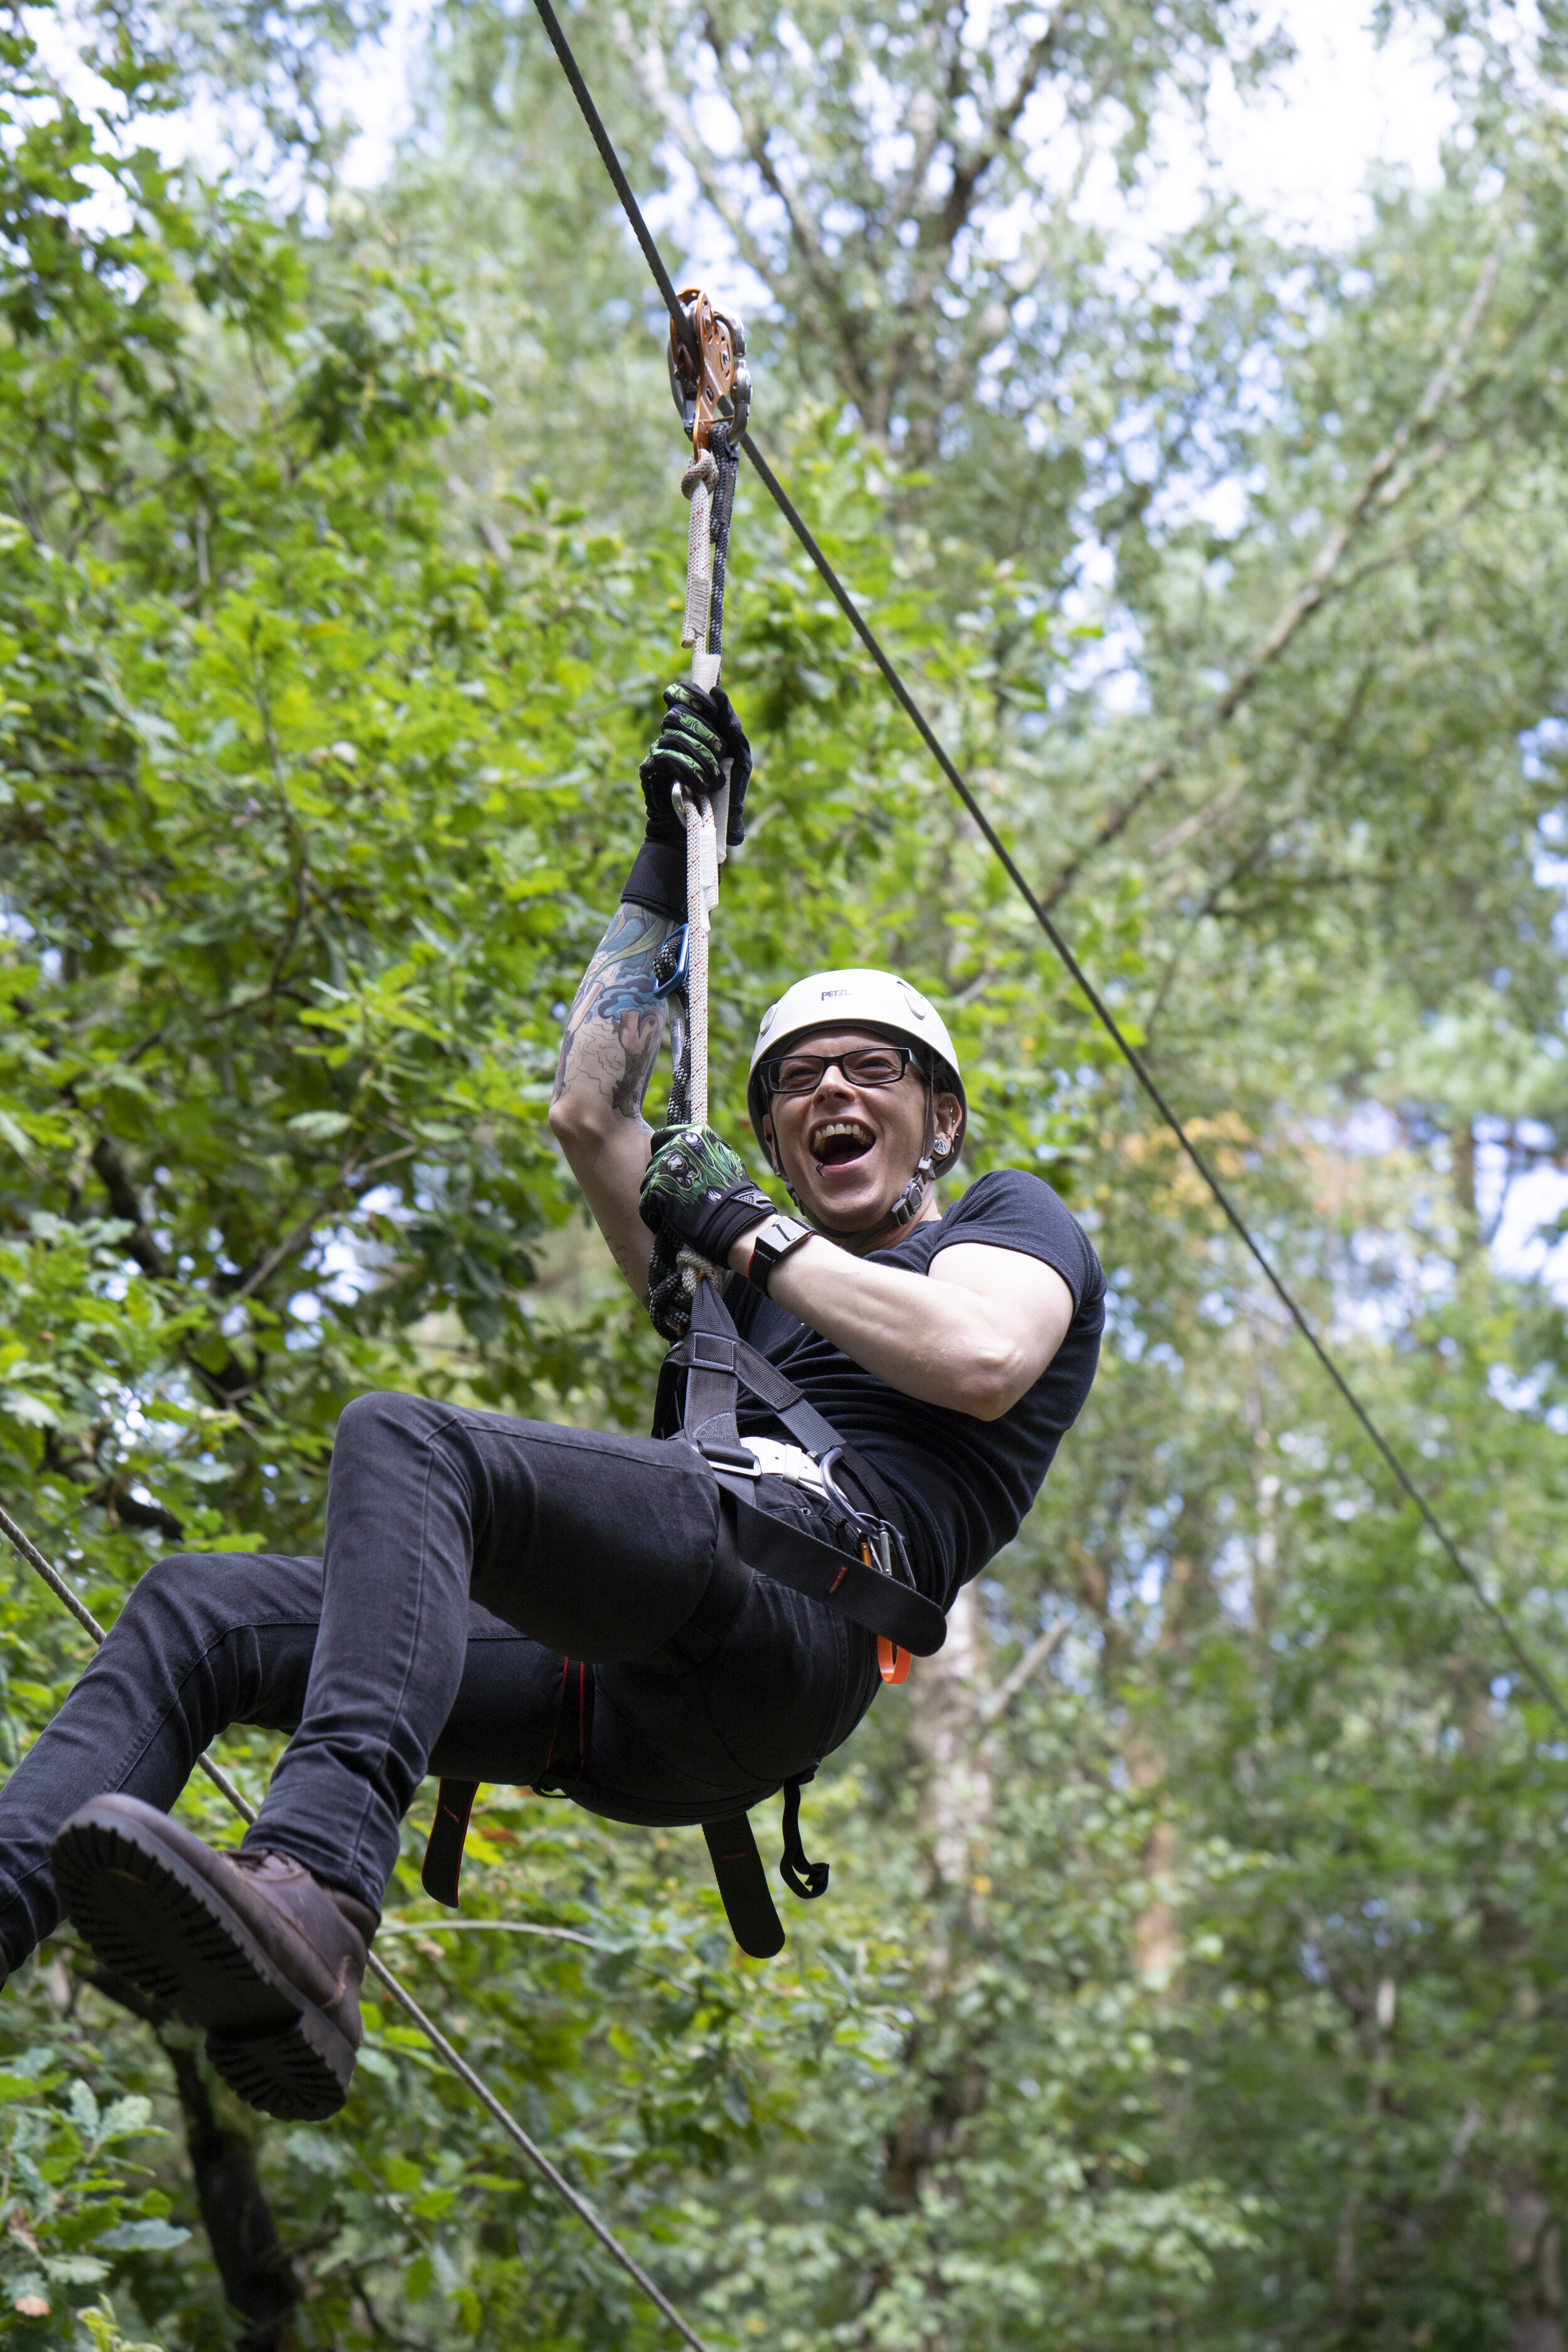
(1011, 1208)
(1002, 1184)
(1017, 1190)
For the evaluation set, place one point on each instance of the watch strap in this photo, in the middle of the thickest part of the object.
(772, 1244)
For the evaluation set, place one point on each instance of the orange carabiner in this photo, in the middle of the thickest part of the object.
(895, 1663)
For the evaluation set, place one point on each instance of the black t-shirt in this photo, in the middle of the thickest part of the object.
(965, 1485)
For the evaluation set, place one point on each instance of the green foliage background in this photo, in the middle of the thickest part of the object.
(1193, 1968)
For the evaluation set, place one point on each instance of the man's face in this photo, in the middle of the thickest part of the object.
(849, 1150)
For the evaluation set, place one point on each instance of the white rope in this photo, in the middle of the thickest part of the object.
(703, 849)
(698, 818)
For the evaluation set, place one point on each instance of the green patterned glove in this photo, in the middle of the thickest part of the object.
(700, 731)
(695, 1187)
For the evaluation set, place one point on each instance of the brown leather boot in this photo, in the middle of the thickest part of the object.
(249, 1944)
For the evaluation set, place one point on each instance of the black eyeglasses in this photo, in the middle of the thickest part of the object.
(862, 1066)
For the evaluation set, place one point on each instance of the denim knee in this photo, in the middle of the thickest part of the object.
(189, 1596)
(382, 1415)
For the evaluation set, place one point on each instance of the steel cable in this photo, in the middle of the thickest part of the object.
(28, 1552)
(1529, 1666)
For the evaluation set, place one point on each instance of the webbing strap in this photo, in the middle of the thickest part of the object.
(790, 1555)
(748, 1904)
(717, 1361)
(713, 1353)
(802, 1877)
(444, 1852)
(711, 1381)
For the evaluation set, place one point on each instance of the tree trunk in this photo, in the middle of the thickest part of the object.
(1462, 1144)
(257, 2277)
(952, 1769)
(1535, 2250)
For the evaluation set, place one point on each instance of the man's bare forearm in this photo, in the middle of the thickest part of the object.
(971, 1334)
(612, 1036)
(608, 1052)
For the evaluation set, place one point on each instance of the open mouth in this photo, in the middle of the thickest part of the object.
(839, 1139)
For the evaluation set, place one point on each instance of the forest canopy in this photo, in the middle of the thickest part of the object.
(1192, 1967)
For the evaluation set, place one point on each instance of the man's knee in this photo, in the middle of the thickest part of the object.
(199, 1594)
(382, 1417)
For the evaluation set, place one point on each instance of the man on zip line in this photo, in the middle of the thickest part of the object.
(666, 1629)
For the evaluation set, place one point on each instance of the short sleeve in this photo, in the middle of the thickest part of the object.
(1010, 1208)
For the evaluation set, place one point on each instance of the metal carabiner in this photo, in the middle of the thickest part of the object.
(893, 1663)
(663, 983)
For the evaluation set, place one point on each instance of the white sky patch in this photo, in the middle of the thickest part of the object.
(1534, 1199)
(375, 87)
(1303, 152)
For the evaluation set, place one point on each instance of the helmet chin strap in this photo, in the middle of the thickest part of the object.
(907, 1205)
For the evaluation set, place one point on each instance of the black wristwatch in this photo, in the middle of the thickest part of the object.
(775, 1243)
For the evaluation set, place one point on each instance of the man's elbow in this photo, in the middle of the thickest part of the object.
(992, 1379)
(573, 1125)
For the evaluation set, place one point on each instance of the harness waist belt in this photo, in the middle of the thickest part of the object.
(779, 1549)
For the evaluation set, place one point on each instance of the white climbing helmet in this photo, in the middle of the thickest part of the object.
(857, 999)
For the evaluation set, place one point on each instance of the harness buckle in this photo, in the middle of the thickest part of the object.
(774, 1459)
(728, 1457)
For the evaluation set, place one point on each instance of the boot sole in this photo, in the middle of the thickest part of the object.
(150, 1918)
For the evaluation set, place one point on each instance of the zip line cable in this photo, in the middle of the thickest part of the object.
(28, 1552)
(1534, 1672)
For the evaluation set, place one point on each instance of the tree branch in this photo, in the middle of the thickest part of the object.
(298, 1237)
(995, 1703)
(108, 1166)
(1387, 480)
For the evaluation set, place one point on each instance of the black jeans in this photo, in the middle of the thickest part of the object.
(468, 1557)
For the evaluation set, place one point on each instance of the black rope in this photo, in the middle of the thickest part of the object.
(1535, 1672)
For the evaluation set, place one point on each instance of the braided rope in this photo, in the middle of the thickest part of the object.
(698, 821)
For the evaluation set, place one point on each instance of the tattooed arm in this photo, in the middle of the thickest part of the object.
(608, 1052)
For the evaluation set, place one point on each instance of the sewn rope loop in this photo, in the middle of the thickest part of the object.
(698, 483)
(702, 634)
